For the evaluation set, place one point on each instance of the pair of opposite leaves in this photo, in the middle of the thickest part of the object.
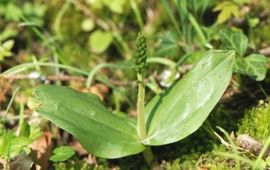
(170, 116)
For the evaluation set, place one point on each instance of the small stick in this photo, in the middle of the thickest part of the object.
(251, 145)
(50, 77)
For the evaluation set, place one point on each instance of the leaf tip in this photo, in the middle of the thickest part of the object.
(33, 104)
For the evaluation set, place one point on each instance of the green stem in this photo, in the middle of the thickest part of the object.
(140, 107)
(59, 17)
(165, 4)
(137, 13)
(148, 155)
(23, 67)
(262, 153)
(199, 31)
(9, 105)
(161, 60)
(21, 120)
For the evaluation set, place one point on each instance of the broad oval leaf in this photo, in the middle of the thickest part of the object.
(254, 65)
(84, 116)
(181, 110)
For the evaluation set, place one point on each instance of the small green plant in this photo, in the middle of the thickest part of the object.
(254, 65)
(14, 143)
(189, 34)
(168, 117)
(62, 153)
(5, 49)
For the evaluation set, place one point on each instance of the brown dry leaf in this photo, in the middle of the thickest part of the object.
(232, 135)
(100, 90)
(230, 91)
(4, 88)
(91, 160)
(132, 113)
(21, 98)
(265, 51)
(41, 150)
(78, 148)
(203, 167)
(2, 163)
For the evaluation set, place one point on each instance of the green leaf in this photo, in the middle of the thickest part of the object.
(18, 145)
(242, 2)
(83, 115)
(168, 45)
(35, 132)
(62, 153)
(8, 44)
(8, 33)
(11, 145)
(234, 40)
(261, 164)
(87, 24)
(5, 49)
(254, 65)
(25, 129)
(99, 41)
(181, 110)
(253, 22)
(5, 142)
(116, 6)
(96, 4)
(227, 10)
(13, 12)
(268, 160)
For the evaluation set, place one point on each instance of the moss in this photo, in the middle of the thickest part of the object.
(256, 122)
(171, 165)
(261, 34)
(198, 150)
(78, 165)
(197, 160)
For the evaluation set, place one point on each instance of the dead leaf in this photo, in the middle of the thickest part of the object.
(91, 160)
(41, 150)
(78, 148)
(203, 167)
(100, 90)
(2, 163)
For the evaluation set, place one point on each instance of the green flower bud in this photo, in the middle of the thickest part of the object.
(139, 59)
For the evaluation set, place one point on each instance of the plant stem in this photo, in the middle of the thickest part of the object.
(262, 153)
(140, 107)
(148, 155)
(21, 119)
(137, 13)
(9, 106)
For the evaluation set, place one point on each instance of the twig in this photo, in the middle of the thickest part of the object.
(50, 77)
(60, 78)
(251, 145)
(11, 117)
